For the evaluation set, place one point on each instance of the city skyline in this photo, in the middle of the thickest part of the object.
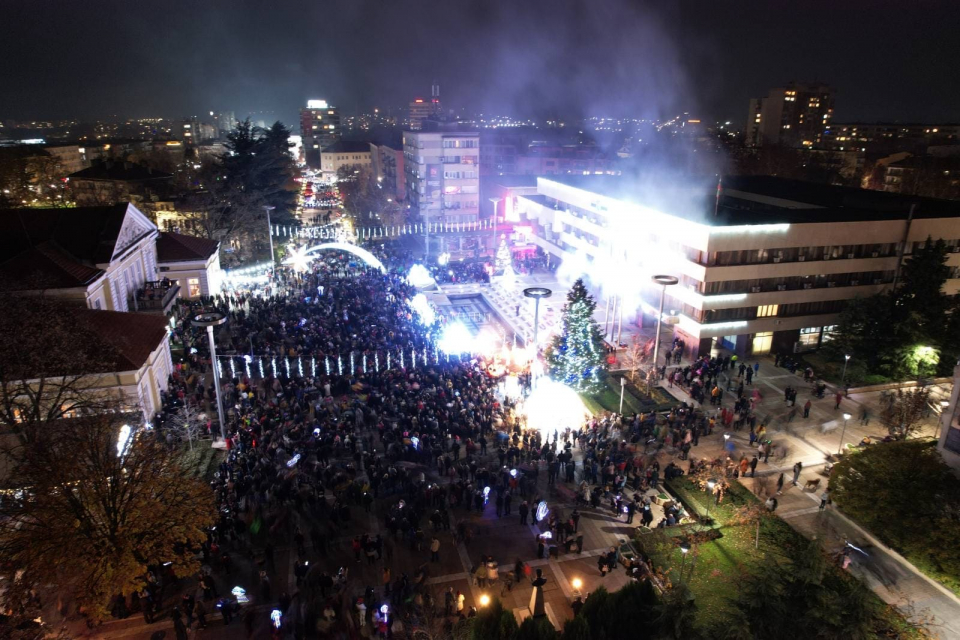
(530, 61)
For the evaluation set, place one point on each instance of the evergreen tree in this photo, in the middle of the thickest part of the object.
(503, 260)
(576, 356)
(921, 288)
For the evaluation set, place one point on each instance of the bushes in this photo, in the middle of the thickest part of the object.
(905, 494)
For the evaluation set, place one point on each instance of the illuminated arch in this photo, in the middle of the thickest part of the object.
(302, 257)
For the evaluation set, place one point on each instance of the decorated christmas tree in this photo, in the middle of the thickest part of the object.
(576, 355)
(503, 259)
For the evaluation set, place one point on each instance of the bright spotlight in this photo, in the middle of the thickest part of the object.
(420, 277)
(455, 338)
(554, 406)
(484, 600)
(577, 583)
(423, 309)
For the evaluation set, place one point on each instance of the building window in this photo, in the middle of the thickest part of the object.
(96, 303)
(194, 287)
(767, 310)
(762, 342)
(810, 337)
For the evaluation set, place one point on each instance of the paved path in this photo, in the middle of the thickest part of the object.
(810, 441)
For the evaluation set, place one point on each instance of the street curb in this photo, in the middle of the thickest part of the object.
(873, 540)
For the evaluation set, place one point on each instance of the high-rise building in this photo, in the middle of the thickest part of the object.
(319, 128)
(795, 115)
(442, 172)
(421, 109)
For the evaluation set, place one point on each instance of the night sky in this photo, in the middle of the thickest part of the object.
(91, 58)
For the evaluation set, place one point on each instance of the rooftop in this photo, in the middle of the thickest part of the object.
(176, 247)
(347, 146)
(747, 200)
(86, 235)
(119, 171)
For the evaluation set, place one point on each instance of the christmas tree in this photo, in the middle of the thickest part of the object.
(576, 356)
(503, 259)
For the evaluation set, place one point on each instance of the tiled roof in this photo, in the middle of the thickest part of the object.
(46, 266)
(131, 337)
(176, 247)
(347, 146)
(119, 171)
(88, 234)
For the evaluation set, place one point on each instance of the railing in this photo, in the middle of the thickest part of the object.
(156, 295)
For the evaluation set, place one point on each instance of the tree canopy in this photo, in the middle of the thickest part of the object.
(905, 494)
(910, 331)
(256, 171)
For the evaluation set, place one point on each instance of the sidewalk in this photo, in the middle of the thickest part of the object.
(810, 441)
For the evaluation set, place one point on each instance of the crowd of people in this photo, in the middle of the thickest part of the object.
(312, 459)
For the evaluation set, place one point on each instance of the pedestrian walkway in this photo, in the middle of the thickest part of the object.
(812, 441)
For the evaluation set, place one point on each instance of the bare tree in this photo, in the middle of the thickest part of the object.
(50, 366)
(903, 416)
(187, 423)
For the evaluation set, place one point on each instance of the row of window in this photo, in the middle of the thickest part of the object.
(770, 311)
(460, 144)
(793, 283)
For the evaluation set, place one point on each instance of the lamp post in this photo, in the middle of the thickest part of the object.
(846, 417)
(268, 209)
(843, 376)
(664, 282)
(711, 485)
(684, 549)
(536, 293)
(493, 251)
(209, 320)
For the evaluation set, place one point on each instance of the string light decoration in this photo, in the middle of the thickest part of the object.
(576, 355)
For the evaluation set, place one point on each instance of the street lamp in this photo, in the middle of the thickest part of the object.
(684, 549)
(843, 376)
(268, 209)
(536, 293)
(209, 320)
(484, 600)
(577, 585)
(711, 485)
(493, 250)
(846, 417)
(664, 282)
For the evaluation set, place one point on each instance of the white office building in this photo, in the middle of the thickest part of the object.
(767, 267)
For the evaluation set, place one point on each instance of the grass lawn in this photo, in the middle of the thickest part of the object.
(713, 568)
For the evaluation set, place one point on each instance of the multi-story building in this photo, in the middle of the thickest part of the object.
(419, 111)
(112, 182)
(890, 137)
(795, 115)
(388, 164)
(345, 154)
(930, 176)
(319, 128)
(769, 267)
(101, 258)
(442, 174)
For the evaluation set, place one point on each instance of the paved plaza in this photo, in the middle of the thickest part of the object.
(505, 540)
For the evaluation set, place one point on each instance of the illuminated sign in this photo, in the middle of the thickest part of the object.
(317, 104)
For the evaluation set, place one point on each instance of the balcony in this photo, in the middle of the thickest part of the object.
(157, 296)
